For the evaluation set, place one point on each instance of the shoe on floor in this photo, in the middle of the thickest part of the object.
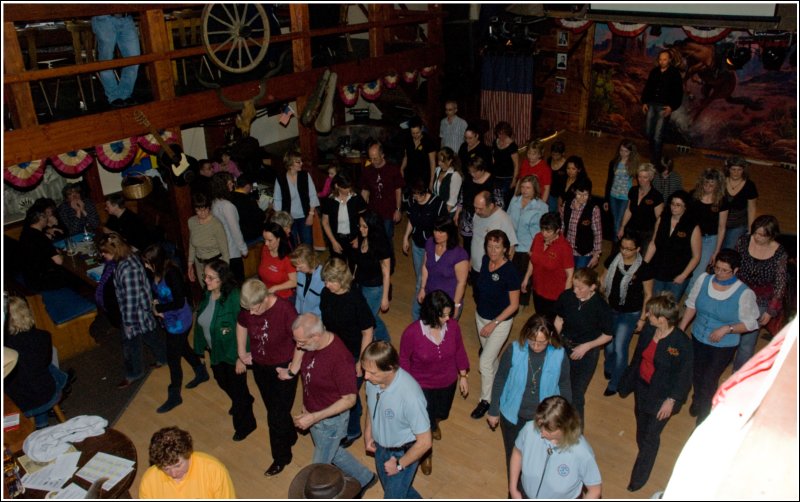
(480, 410)
(367, 486)
(609, 392)
(693, 409)
(437, 433)
(274, 469)
(200, 376)
(239, 436)
(634, 487)
(426, 466)
(348, 441)
(607, 374)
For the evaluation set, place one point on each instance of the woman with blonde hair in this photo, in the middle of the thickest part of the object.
(35, 384)
(534, 165)
(645, 205)
(710, 209)
(309, 279)
(136, 308)
(572, 471)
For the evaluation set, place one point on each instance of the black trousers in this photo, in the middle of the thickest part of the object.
(709, 364)
(237, 268)
(235, 386)
(278, 396)
(544, 307)
(177, 348)
(648, 437)
(510, 432)
(580, 374)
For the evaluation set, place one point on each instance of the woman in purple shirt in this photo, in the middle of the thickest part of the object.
(432, 351)
(446, 265)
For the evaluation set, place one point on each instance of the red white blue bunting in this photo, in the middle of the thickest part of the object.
(26, 174)
(117, 155)
(72, 163)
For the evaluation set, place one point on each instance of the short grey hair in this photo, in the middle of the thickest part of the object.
(310, 323)
(252, 293)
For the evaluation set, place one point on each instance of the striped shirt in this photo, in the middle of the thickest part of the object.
(452, 134)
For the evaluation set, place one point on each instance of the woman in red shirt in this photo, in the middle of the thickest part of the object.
(535, 164)
(551, 265)
(275, 269)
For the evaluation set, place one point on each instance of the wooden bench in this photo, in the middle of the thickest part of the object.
(71, 333)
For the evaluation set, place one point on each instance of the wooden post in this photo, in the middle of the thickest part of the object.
(301, 52)
(433, 103)
(19, 99)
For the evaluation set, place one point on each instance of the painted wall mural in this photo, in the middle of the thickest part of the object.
(751, 110)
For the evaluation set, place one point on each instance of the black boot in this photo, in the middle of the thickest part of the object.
(173, 400)
(200, 376)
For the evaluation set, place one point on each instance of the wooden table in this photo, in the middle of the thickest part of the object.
(14, 438)
(112, 442)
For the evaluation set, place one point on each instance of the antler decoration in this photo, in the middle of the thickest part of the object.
(247, 107)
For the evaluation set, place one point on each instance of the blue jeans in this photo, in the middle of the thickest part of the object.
(617, 207)
(617, 349)
(676, 289)
(132, 352)
(327, 434)
(39, 413)
(110, 32)
(302, 231)
(388, 226)
(354, 421)
(417, 256)
(373, 295)
(399, 485)
(655, 127)
(732, 235)
(747, 345)
(709, 245)
(552, 203)
(581, 261)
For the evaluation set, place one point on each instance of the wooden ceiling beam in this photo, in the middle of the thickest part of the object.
(38, 12)
(23, 145)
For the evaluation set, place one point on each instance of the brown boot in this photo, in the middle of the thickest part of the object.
(427, 464)
(437, 432)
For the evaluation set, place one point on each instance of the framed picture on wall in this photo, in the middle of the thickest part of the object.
(561, 61)
(563, 38)
(561, 85)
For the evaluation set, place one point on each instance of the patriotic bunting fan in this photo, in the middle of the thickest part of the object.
(26, 174)
(72, 163)
(349, 94)
(427, 71)
(371, 90)
(149, 143)
(117, 154)
(409, 76)
(390, 80)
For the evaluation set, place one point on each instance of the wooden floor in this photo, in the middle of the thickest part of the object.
(468, 461)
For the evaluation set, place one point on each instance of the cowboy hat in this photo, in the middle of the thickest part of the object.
(323, 481)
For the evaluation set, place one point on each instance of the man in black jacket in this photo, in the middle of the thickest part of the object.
(662, 95)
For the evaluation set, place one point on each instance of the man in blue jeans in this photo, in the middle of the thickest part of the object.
(397, 430)
(329, 391)
(662, 95)
(111, 31)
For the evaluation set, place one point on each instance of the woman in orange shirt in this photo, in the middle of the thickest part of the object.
(275, 269)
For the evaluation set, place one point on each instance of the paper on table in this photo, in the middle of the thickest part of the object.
(104, 465)
(66, 464)
(71, 491)
(43, 479)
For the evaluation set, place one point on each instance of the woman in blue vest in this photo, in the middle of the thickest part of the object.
(309, 280)
(296, 194)
(582, 226)
(723, 308)
(532, 369)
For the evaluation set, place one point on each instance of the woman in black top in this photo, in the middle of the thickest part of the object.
(558, 165)
(34, 384)
(742, 196)
(346, 314)
(479, 179)
(628, 284)
(505, 157)
(424, 210)
(473, 148)
(584, 321)
(710, 209)
(674, 251)
(575, 169)
(171, 306)
(372, 270)
(645, 204)
(419, 156)
(340, 213)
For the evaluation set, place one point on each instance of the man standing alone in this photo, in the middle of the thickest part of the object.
(663, 94)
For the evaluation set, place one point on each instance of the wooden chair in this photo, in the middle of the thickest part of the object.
(185, 29)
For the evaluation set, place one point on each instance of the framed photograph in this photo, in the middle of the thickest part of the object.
(563, 38)
(561, 85)
(561, 61)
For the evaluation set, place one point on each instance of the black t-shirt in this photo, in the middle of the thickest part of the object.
(707, 216)
(503, 163)
(583, 322)
(465, 156)
(493, 288)
(737, 204)
(251, 217)
(643, 214)
(38, 265)
(130, 226)
(634, 299)
(30, 384)
(346, 315)
(418, 165)
(368, 265)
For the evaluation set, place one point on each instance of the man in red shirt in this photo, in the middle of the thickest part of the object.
(382, 185)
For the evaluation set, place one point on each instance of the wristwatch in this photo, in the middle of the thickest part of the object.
(399, 466)
(291, 373)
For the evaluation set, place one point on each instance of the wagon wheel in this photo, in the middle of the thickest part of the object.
(235, 36)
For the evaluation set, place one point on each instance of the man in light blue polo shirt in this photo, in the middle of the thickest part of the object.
(397, 430)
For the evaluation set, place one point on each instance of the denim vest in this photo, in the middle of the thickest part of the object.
(511, 397)
(711, 314)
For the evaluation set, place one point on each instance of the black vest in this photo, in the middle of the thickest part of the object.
(673, 252)
(302, 188)
(584, 237)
